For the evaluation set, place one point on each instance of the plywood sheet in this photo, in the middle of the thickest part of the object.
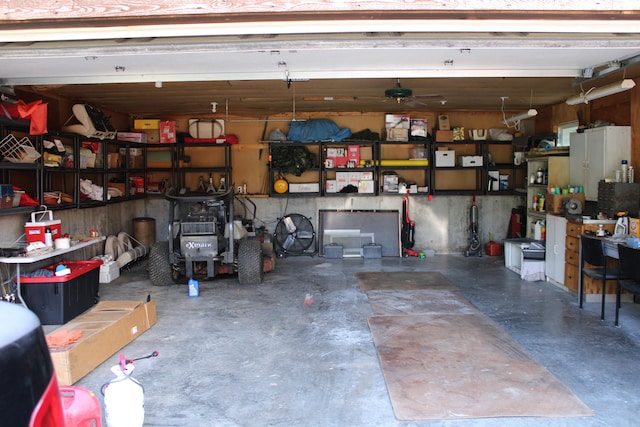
(450, 366)
(444, 359)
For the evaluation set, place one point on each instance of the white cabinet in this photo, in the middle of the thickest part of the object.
(554, 257)
(596, 154)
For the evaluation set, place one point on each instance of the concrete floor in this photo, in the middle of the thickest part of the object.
(257, 356)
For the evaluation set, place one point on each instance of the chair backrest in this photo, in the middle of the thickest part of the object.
(592, 250)
(629, 262)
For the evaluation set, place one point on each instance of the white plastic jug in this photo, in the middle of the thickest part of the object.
(537, 230)
(124, 399)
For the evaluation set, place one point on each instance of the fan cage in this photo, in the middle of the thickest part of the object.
(294, 235)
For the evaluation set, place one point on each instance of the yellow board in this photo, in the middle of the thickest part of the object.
(414, 162)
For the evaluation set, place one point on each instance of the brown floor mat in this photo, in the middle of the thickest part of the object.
(443, 359)
(403, 281)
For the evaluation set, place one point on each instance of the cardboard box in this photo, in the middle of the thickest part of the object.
(132, 137)
(445, 158)
(354, 178)
(366, 186)
(443, 122)
(634, 227)
(397, 121)
(167, 132)
(419, 128)
(146, 124)
(114, 160)
(390, 183)
(366, 152)
(87, 159)
(106, 328)
(331, 186)
(132, 151)
(366, 176)
(152, 135)
(304, 187)
(109, 271)
(337, 157)
(342, 179)
(444, 136)
(458, 133)
(136, 162)
(470, 161)
(336, 162)
(353, 153)
(395, 134)
(419, 153)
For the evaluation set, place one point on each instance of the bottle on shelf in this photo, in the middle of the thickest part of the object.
(624, 166)
(48, 239)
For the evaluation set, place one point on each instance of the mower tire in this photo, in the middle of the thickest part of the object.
(250, 266)
(160, 271)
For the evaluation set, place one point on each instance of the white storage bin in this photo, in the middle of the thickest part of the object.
(445, 158)
(471, 161)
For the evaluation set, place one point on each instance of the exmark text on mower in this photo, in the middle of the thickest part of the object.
(205, 241)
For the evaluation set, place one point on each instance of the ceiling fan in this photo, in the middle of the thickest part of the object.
(405, 95)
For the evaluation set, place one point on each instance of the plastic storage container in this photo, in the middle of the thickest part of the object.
(34, 230)
(56, 300)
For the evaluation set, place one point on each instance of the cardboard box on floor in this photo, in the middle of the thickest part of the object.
(106, 328)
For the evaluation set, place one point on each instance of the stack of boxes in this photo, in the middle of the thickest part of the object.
(151, 131)
(402, 128)
(349, 158)
(397, 127)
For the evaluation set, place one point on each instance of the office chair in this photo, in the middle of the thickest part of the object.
(592, 249)
(629, 273)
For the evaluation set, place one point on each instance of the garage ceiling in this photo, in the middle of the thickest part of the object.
(257, 75)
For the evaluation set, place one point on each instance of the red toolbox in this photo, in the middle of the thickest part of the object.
(58, 299)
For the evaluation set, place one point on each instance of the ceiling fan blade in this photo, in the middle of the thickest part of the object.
(429, 96)
(329, 98)
(414, 104)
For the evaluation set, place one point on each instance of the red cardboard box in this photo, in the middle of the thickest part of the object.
(167, 132)
(353, 153)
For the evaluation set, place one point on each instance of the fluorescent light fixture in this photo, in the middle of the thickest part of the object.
(526, 115)
(595, 93)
